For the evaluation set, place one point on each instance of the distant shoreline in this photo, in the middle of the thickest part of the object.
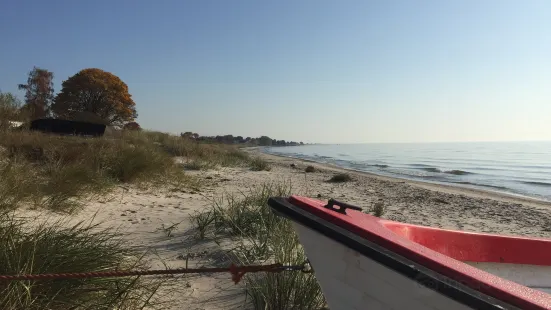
(436, 186)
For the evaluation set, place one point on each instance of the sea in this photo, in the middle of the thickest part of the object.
(517, 168)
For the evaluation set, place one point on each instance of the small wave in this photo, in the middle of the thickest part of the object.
(483, 185)
(458, 172)
(419, 165)
(537, 183)
(380, 166)
(431, 169)
(324, 157)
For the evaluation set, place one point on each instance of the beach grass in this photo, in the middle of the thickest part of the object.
(33, 247)
(57, 172)
(340, 178)
(262, 237)
(379, 209)
(259, 164)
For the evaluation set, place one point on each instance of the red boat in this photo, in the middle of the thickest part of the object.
(364, 262)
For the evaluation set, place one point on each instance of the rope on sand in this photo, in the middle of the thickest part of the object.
(237, 272)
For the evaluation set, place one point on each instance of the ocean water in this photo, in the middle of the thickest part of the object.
(521, 168)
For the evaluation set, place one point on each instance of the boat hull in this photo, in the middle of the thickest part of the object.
(350, 280)
(363, 262)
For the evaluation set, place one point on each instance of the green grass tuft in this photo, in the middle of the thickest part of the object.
(340, 178)
(379, 209)
(40, 247)
(259, 164)
(263, 237)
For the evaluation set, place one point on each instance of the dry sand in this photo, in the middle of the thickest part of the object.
(144, 215)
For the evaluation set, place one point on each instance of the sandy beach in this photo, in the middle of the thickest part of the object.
(158, 220)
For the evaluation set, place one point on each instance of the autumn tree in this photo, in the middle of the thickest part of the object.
(132, 126)
(95, 91)
(39, 93)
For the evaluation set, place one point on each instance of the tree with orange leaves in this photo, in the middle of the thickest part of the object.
(132, 126)
(95, 91)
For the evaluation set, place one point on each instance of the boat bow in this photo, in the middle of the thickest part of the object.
(364, 262)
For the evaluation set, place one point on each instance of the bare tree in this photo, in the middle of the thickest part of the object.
(39, 93)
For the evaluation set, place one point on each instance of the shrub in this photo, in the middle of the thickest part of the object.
(9, 110)
(341, 177)
(310, 169)
(379, 209)
(132, 126)
(259, 164)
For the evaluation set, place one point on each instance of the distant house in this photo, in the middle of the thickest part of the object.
(67, 127)
(14, 124)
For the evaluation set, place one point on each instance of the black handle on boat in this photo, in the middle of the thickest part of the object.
(343, 206)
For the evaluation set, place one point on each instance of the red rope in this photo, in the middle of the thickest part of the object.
(237, 272)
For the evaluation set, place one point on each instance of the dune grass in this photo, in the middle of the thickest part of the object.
(63, 169)
(259, 164)
(340, 178)
(56, 247)
(263, 237)
(217, 154)
(195, 165)
(379, 209)
(57, 172)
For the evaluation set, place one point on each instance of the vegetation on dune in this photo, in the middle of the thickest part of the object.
(262, 237)
(259, 164)
(310, 169)
(65, 168)
(379, 209)
(340, 178)
(55, 171)
(40, 247)
(194, 165)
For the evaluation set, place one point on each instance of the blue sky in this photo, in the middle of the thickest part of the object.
(312, 70)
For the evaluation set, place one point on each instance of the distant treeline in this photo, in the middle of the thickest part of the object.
(230, 139)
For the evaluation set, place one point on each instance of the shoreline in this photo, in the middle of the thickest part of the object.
(435, 186)
(439, 186)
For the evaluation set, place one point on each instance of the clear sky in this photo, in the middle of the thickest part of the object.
(311, 70)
